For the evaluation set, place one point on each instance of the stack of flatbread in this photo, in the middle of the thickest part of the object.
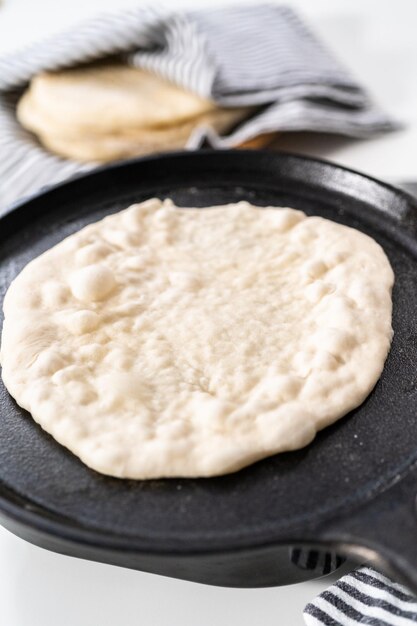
(112, 111)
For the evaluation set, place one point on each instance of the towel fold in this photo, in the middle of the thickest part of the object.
(261, 55)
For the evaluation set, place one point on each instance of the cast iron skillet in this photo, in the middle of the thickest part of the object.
(353, 489)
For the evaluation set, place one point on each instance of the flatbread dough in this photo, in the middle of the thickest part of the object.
(165, 342)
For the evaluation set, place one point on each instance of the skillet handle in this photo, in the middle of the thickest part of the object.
(383, 531)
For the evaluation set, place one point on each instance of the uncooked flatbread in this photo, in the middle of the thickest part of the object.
(185, 342)
(136, 142)
(105, 99)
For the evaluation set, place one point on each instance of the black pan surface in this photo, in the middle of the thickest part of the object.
(338, 491)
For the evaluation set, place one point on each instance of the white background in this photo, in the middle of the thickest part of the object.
(377, 40)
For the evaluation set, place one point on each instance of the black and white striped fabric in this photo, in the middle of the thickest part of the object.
(363, 597)
(259, 55)
(321, 563)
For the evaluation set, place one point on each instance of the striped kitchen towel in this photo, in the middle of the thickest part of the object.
(259, 55)
(363, 597)
(317, 561)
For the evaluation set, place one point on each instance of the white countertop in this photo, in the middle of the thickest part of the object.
(376, 40)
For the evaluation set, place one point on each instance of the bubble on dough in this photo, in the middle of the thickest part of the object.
(211, 411)
(49, 362)
(335, 340)
(55, 293)
(120, 359)
(140, 260)
(68, 374)
(121, 238)
(92, 253)
(184, 280)
(94, 351)
(325, 361)
(336, 258)
(315, 268)
(318, 290)
(134, 216)
(302, 361)
(81, 393)
(83, 321)
(285, 219)
(92, 283)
